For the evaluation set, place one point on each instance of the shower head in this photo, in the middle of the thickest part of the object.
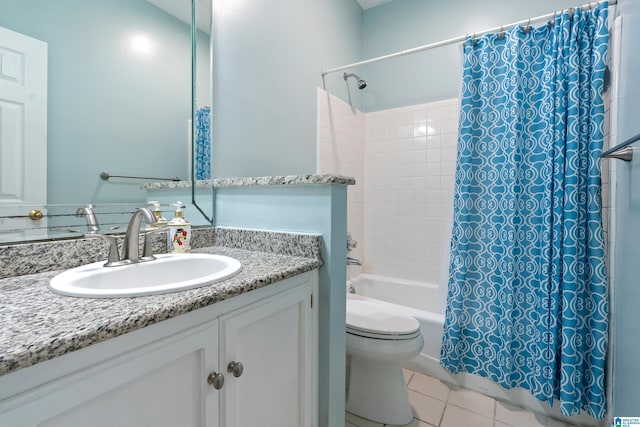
(361, 83)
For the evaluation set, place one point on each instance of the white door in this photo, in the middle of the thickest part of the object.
(23, 131)
(273, 342)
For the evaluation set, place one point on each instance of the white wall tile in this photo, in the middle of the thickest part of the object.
(403, 160)
(411, 221)
(341, 136)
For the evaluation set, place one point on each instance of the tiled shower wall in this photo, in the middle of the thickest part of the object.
(410, 157)
(340, 145)
(404, 162)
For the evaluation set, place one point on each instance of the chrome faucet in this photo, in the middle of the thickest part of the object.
(351, 245)
(131, 246)
(353, 261)
(92, 221)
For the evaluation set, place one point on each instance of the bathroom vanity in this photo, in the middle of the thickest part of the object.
(66, 360)
(238, 353)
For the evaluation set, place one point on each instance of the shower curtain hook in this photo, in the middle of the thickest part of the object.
(527, 27)
(501, 33)
(475, 41)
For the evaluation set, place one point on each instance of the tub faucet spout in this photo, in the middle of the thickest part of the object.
(353, 261)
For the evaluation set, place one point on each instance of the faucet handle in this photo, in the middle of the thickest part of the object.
(114, 256)
(147, 252)
(351, 243)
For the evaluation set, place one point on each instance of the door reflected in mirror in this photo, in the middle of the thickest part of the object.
(109, 89)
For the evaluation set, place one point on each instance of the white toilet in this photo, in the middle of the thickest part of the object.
(378, 343)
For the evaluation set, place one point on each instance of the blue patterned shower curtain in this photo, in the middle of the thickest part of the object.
(202, 145)
(527, 298)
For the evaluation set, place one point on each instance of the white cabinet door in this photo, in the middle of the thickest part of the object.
(163, 384)
(273, 341)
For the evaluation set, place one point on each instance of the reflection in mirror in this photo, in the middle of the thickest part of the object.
(202, 101)
(88, 86)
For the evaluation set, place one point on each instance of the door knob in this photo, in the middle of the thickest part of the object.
(235, 368)
(35, 214)
(216, 380)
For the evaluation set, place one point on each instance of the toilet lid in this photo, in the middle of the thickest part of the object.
(369, 317)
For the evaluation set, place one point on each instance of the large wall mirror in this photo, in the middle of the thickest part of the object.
(93, 86)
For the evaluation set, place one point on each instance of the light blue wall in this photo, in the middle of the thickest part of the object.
(432, 75)
(109, 110)
(267, 64)
(626, 375)
(267, 61)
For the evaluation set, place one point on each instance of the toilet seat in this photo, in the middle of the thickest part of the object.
(367, 319)
(378, 336)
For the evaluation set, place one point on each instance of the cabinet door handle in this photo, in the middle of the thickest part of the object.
(235, 368)
(216, 380)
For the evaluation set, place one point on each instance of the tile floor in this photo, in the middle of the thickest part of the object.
(437, 404)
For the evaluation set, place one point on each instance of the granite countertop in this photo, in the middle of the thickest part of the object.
(255, 181)
(39, 325)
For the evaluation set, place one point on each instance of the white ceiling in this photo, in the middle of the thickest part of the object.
(181, 9)
(368, 4)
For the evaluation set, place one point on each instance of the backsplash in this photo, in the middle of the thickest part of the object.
(291, 244)
(39, 257)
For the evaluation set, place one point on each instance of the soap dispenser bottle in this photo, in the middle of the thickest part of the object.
(179, 237)
(157, 212)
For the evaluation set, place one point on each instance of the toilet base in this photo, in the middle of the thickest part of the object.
(377, 391)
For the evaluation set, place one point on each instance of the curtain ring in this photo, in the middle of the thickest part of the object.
(475, 41)
(501, 34)
(527, 27)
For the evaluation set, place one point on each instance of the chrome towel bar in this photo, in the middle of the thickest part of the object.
(622, 151)
(107, 175)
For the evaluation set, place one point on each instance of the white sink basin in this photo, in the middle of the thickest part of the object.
(167, 273)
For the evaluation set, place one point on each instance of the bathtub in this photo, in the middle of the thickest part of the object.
(424, 302)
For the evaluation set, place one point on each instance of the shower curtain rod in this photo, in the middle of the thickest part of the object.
(456, 39)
